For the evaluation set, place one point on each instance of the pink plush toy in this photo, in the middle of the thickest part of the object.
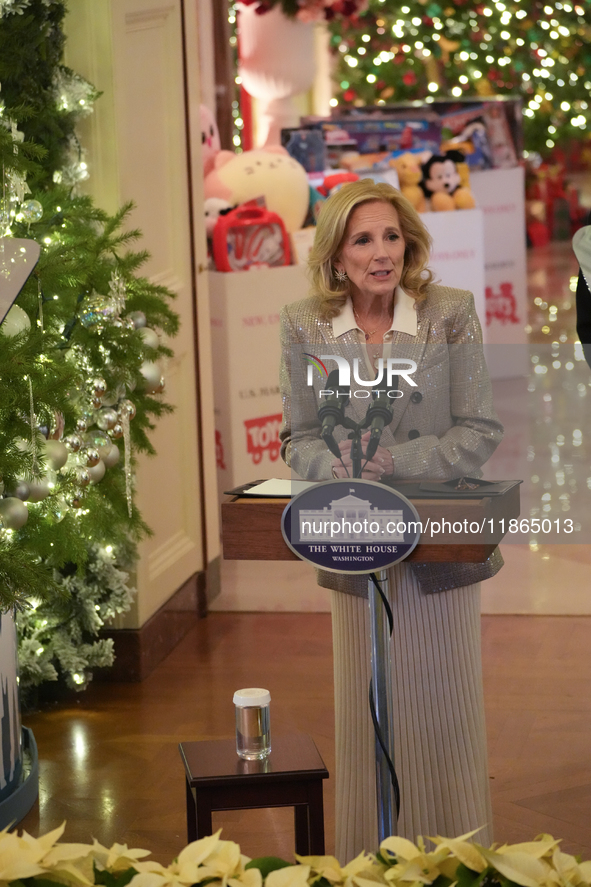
(265, 172)
(210, 139)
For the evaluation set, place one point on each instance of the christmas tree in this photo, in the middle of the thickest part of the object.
(79, 372)
(425, 49)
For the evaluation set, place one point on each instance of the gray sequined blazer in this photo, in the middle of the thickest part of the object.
(443, 428)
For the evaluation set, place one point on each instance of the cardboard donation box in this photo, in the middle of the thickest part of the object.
(245, 337)
(500, 193)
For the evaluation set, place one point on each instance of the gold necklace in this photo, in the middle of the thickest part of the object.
(366, 334)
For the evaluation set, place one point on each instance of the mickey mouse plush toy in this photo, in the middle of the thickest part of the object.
(442, 182)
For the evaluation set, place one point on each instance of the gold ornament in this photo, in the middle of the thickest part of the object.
(483, 87)
(447, 46)
(432, 68)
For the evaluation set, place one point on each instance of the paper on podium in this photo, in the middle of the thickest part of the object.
(272, 489)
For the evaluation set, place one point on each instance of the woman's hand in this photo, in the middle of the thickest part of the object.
(380, 464)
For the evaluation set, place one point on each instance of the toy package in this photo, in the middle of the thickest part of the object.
(487, 132)
(250, 237)
(363, 140)
(306, 146)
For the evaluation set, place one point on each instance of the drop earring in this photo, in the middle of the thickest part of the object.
(341, 276)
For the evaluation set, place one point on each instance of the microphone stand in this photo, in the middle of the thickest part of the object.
(381, 660)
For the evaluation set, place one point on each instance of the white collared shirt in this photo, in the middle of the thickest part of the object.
(404, 318)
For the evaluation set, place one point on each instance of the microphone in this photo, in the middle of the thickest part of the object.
(332, 411)
(378, 416)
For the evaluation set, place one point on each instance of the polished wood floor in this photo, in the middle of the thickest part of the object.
(110, 764)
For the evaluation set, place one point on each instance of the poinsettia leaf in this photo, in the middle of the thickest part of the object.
(113, 879)
(266, 864)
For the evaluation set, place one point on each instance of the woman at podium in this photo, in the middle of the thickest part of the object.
(372, 291)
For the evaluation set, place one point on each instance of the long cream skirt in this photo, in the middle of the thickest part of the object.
(439, 728)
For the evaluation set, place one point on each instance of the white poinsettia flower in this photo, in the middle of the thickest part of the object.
(224, 861)
(422, 869)
(221, 864)
(567, 871)
(117, 858)
(518, 867)
(163, 878)
(326, 866)
(66, 853)
(246, 878)
(150, 866)
(329, 867)
(463, 850)
(538, 848)
(19, 857)
(70, 864)
(198, 851)
(50, 839)
(73, 874)
(290, 876)
(400, 847)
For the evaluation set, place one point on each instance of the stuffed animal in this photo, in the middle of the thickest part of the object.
(210, 139)
(214, 207)
(442, 183)
(265, 172)
(409, 176)
(335, 181)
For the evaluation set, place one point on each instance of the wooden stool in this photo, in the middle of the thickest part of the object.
(217, 779)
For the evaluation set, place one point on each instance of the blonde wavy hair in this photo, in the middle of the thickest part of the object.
(330, 234)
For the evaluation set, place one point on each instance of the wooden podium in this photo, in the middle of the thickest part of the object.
(251, 528)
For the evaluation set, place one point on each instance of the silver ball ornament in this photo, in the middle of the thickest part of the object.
(13, 513)
(31, 211)
(56, 454)
(97, 472)
(74, 500)
(91, 456)
(22, 490)
(98, 385)
(97, 402)
(106, 418)
(73, 442)
(151, 376)
(99, 440)
(60, 509)
(111, 398)
(139, 319)
(39, 489)
(116, 431)
(82, 477)
(127, 408)
(82, 425)
(150, 337)
(16, 321)
(112, 456)
(97, 311)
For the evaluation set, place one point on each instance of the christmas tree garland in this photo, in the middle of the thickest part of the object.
(80, 367)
